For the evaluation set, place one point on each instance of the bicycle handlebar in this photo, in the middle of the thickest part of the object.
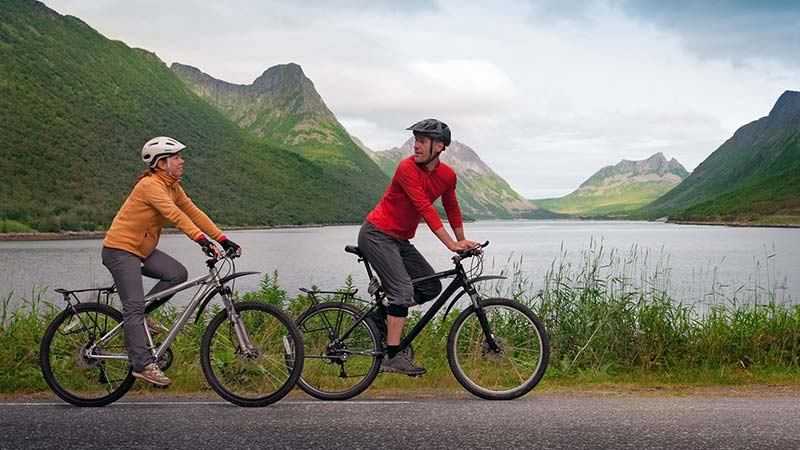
(230, 254)
(470, 252)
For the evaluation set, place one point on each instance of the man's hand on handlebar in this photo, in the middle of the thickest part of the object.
(476, 249)
(466, 244)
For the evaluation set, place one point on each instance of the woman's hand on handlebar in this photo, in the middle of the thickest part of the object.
(209, 248)
(231, 248)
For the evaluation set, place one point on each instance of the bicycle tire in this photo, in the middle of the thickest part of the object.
(75, 378)
(326, 375)
(260, 379)
(504, 375)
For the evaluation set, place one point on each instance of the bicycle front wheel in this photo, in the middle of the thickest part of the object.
(517, 364)
(259, 375)
(63, 356)
(338, 367)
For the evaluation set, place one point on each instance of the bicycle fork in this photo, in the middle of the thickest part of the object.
(248, 349)
(481, 314)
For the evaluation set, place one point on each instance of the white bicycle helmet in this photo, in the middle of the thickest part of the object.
(158, 148)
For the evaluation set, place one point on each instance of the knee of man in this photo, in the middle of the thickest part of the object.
(428, 291)
(397, 310)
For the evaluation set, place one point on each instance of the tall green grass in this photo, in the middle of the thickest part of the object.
(611, 316)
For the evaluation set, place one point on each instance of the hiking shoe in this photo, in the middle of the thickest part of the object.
(401, 363)
(154, 326)
(154, 375)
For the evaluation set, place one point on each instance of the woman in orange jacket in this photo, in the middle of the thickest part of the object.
(129, 248)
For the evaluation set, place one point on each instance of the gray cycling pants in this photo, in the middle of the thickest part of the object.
(397, 262)
(127, 270)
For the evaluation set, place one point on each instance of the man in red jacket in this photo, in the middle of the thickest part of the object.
(384, 237)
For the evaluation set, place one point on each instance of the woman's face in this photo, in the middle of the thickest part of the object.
(174, 167)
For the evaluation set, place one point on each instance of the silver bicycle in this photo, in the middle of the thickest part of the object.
(251, 352)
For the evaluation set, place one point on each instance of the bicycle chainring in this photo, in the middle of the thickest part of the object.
(165, 360)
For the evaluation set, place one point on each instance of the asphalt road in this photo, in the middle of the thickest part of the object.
(540, 422)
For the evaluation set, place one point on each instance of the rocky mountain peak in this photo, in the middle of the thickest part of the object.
(655, 165)
(788, 104)
(281, 73)
(282, 92)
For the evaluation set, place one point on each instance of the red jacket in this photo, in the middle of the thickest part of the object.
(410, 198)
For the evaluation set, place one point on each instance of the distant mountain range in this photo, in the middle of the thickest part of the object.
(622, 187)
(482, 194)
(753, 177)
(76, 107)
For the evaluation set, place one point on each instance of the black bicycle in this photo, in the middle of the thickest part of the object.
(244, 351)
(497, 348)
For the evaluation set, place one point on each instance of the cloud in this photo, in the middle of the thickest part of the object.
(745, 32)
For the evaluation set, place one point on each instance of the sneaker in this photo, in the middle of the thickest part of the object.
(401, 363)
(154, 375)
(154, 326)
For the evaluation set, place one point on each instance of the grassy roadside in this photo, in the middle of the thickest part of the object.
(613, 320)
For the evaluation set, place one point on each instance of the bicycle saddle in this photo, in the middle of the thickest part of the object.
(354, 250)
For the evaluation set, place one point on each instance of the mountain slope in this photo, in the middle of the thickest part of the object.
(753, 176)
(75, 109)
(625, 186)
(482, 193)
(283, 107)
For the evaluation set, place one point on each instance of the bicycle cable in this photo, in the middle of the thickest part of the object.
(475, 266)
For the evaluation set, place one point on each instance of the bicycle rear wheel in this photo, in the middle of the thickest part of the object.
(70, 373)
(335, 368)
(267, 372)
(519, 363)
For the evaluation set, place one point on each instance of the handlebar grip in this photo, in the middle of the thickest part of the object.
(471, 250)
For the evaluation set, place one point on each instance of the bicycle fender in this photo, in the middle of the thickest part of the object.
(471, 281)
(224, 280)
(214, 292)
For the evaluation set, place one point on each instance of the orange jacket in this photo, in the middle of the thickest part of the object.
(156, 200)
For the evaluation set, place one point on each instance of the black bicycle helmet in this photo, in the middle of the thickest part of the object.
(433, 129)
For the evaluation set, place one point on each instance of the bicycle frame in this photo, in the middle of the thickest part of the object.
(209, 283)
(460, 281)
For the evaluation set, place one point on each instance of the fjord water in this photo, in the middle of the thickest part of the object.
(697, 256)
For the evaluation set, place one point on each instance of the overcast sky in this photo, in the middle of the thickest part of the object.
(546, 92)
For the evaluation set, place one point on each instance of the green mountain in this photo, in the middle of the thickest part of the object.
(283, 107)
(753, 177)
(482, 193)
(625, 186)
(76, 107)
